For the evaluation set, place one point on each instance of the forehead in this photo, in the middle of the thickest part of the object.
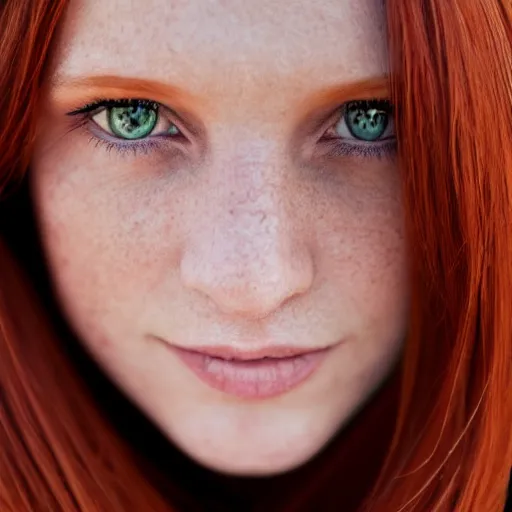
(225, 45)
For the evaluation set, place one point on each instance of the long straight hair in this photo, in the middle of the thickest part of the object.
(451, 82)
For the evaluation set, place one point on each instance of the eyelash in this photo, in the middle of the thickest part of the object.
(85, 113)
(334, 147)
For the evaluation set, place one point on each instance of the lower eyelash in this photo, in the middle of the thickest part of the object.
(144, 146)
(133, 147)
(335, 148)
(338, 148)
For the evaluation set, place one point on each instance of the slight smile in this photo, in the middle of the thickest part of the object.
(258, 374)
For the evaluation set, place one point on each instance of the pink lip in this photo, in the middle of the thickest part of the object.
(252, 374)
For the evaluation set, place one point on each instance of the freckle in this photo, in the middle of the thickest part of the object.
(104, 343)
(63, 262)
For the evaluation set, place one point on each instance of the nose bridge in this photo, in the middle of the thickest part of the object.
(248, 257)
(250, 200)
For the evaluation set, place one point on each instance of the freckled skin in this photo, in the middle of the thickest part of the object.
(248, 236)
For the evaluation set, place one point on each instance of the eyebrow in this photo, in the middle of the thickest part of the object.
(372, 87)
(66, 90)
(120, 85)
(318, 107)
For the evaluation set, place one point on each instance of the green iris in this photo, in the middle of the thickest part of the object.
(133, 121)
(366, 120)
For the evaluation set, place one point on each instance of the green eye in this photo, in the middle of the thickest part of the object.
(367, 120)
(132, 122)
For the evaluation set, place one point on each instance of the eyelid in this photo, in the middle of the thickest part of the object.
(340, 117)
(348, 136)
(105, 125)
(101, 103)
(89, 111)
(339, 146)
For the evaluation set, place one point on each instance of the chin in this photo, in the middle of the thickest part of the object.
(250, 465)
(270, 450)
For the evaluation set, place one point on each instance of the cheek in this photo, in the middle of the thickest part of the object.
(106, 241)
(361, 248)
(362, 264)
(378, 295)
(377, 278)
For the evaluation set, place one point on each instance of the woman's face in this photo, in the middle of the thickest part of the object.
(250, 211)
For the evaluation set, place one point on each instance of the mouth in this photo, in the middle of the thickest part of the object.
(252, 374)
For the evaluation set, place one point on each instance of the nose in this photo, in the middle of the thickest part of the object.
(251, 257)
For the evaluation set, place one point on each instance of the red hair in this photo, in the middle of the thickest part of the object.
(450, 440)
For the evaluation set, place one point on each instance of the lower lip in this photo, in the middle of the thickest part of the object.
(256, 379)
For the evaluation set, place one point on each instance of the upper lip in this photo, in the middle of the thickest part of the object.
(232, 353)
